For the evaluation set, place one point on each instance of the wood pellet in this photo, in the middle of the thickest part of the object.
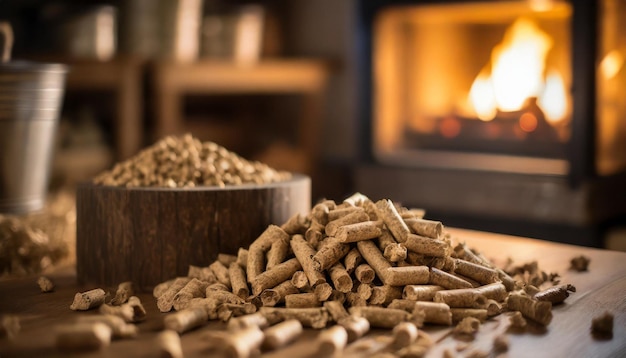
(347, 267)
(186, 162)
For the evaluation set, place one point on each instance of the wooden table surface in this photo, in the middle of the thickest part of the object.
(602, 288)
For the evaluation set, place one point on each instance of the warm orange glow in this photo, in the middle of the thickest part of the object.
(517, 70)
(450, 127)
(482, 97)
(611, 64)
(528, 122)
(518, 64)
(553, 100)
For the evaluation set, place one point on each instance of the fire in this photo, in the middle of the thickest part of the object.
(482, 97)
(553, 100)
(518, 65)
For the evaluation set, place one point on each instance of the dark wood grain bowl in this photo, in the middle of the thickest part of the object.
(149, 235)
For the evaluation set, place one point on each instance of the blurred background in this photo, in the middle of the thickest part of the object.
(503, 116)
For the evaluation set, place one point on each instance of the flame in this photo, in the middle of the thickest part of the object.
(553, 100)
(482, 97)
(517, 74)
(518, 64)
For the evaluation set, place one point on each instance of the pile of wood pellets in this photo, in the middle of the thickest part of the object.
(35, 242)
(343, 269)
(184, 162)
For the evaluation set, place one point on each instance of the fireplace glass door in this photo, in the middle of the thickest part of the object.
(485, 85)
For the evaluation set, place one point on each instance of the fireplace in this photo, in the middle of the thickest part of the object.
(497, 115)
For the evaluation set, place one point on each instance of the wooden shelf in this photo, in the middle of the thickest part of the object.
(124, 77)
(172, 81)
(308, 78)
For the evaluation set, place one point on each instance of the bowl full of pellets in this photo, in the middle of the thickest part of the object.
(177, 203)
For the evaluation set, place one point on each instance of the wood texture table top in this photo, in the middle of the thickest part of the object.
(601, 288)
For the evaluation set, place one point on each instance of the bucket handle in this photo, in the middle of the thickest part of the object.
(6, 31)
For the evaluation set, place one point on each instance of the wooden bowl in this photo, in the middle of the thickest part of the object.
(149, 235)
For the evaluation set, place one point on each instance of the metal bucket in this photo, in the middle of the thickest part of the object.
(30, 101)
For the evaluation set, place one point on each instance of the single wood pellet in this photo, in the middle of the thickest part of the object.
(193, 289)
(447, 280)
(364, 273)
(352, 259)
(384, 295)
(119, 327)
(425, 245)
(278, 252)
(275, 276)
(365, 290)
(341, 278)
(407, 275)
(45, 284)
(87, 300)
(360, 231)
(165, 301)
(330, 252)
(258, 249)
(336, 310)
(273, 296)
(404, 333)
(495, 291)
(185, 320)
(435, 313)
(423, 227)
(477, 272)
(242, 343)
(304, 255)
(238, 280)
(125, 312)
(352, 218)
(381, 317)
(331, 341)
(309, 317)
(82, 336)
(168, 344)
(356, 326)
(302, 300)
(323, 291)
(554, 295)
(281, 334)
(372, 255)
(465, 297)
(420, 292)
(221, 273)
(538, 311)
(252, 320)
(387, 211)
(123, 292)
